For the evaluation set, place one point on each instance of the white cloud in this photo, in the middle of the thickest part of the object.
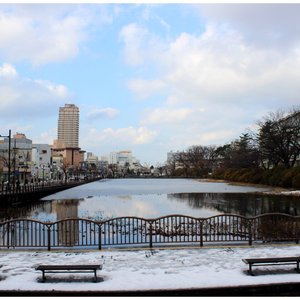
(28, 98)
(58, 90)
(99, 113)
(263, 24)
(221, 73)
(130, 135)
(212, 137)
(7, 70)
(43, 41)
(166, 115)
(140, 45)
(113, 139)
(145, 88)
(133, 36)
(42, 34)
(220, 67)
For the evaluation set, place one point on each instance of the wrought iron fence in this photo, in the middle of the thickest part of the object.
(171, 229)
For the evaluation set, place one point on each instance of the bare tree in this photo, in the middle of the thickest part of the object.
(279, 139)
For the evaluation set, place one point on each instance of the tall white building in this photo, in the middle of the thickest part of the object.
(41, 161)
(68, 126)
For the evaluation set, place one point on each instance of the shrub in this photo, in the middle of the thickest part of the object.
(287, 178)
(278, 176)
(296, 179)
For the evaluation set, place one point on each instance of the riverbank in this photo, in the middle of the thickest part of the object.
(270, 189)
(278, 176)
(184, 272)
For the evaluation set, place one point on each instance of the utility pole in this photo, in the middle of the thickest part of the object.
(9, 149)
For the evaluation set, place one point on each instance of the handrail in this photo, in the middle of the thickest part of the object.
(83, 232)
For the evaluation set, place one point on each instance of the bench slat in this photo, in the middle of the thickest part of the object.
(271, 259)
(69, 267)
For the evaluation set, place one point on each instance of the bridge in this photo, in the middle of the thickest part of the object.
(29, 193)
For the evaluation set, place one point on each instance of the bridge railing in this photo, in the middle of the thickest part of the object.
(171, 229)
(13, 189)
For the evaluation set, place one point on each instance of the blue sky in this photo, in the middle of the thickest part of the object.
(150, 78)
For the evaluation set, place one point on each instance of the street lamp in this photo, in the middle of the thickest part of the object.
(9, 142)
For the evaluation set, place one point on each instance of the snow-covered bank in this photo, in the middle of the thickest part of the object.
(291, 193)
(282, 192)
(145, 269)
(261, 189)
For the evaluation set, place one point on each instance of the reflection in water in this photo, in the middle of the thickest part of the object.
(153, 206)
(242, 204)
(66, 209)
(68, 232)
(29, 211)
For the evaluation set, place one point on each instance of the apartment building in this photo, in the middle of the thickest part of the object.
(68, 125)
(66, 153)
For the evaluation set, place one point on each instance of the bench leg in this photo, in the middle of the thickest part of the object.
(43, 276)
(95, 275)
(297, 268)
(250, 270)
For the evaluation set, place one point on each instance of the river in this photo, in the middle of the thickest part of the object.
(152, 198)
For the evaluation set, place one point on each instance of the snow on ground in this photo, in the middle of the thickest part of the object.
(293, 193)
(145, 269)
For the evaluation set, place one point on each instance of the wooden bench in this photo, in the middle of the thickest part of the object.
(69, 269)
(272, 261)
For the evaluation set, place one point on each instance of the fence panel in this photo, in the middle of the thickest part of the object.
(275, 227)
(74, 232)
(175, 229)
(23, 233)
(225, 228)
(124, 231)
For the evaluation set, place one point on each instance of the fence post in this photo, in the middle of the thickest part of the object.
(100, 236)
(201, 232)
(49, 237)
(295, 231)
(250, 221)
(150, 232)
(8, 231)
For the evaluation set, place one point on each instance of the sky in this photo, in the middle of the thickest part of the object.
(150, 78)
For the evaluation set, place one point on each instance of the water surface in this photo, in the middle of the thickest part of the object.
(153, 198)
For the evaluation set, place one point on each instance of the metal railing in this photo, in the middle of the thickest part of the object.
(171, 229)
(38, 186)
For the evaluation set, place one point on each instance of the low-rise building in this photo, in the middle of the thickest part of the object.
(67, 160)
(20, 155)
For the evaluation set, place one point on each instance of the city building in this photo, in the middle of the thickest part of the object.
(120, 163)
(41, 162)
(91, 158)
(125, 158)
(20, 163)
(68, 125)
(121, 158)
(113, 158)
(67, 156)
